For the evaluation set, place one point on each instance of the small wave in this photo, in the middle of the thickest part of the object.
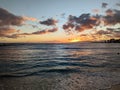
(91, 48)
(40, 72)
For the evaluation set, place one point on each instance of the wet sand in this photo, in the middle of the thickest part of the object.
(115, 87)
(56, 82)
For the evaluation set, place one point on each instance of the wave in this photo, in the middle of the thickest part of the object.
(86, 66)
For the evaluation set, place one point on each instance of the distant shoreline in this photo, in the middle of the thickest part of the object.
(23, 43)
(108, 41)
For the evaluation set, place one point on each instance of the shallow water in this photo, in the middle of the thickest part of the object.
(75, 66)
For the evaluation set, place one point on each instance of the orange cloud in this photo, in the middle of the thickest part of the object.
(96, 11)
(46, 31)
(29, 18)
(7, 31)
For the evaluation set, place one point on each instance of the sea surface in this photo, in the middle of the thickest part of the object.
(73, 66)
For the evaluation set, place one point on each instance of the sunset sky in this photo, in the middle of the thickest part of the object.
(36, 21)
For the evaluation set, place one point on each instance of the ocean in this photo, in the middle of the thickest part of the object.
(52, 66)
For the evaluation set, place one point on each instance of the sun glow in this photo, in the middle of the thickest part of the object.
(75, 40)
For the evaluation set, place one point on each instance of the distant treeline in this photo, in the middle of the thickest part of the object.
(112, 41)
(12, 44)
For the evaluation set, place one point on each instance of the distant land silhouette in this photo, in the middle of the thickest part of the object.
(104, 41)
(108, 41)
(112, 41)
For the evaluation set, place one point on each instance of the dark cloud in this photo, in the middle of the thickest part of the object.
(81, 23)
(87, 21)
(7, 18)
(109, 12)
(111, 29)
(112, 17)
(68, 26)
(103, 32)
(53, 30)
(72, 19)
(104, 5)
(8, 21)
(46, 31)
(49, 22)
(118, 4)
(109, 32)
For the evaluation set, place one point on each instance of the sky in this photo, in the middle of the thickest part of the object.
(37, 21)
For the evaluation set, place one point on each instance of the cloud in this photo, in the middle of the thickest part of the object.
(118, 4)
(68, 26)
(96, 11)
(109, 32)
(16, 35)
(110, 12)
(87, 21)
(29, 18)
(103, 32)
(8, 21)
(45, 31)
(94, 23)
(13, 36)
(34, 26)
(83, 22)
(7, 18)
(6, 31)
(49, 22)
(112, 17)
(117, 35)
(111, 29)
(104, 5)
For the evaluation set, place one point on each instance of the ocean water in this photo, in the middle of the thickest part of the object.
(73, 66)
